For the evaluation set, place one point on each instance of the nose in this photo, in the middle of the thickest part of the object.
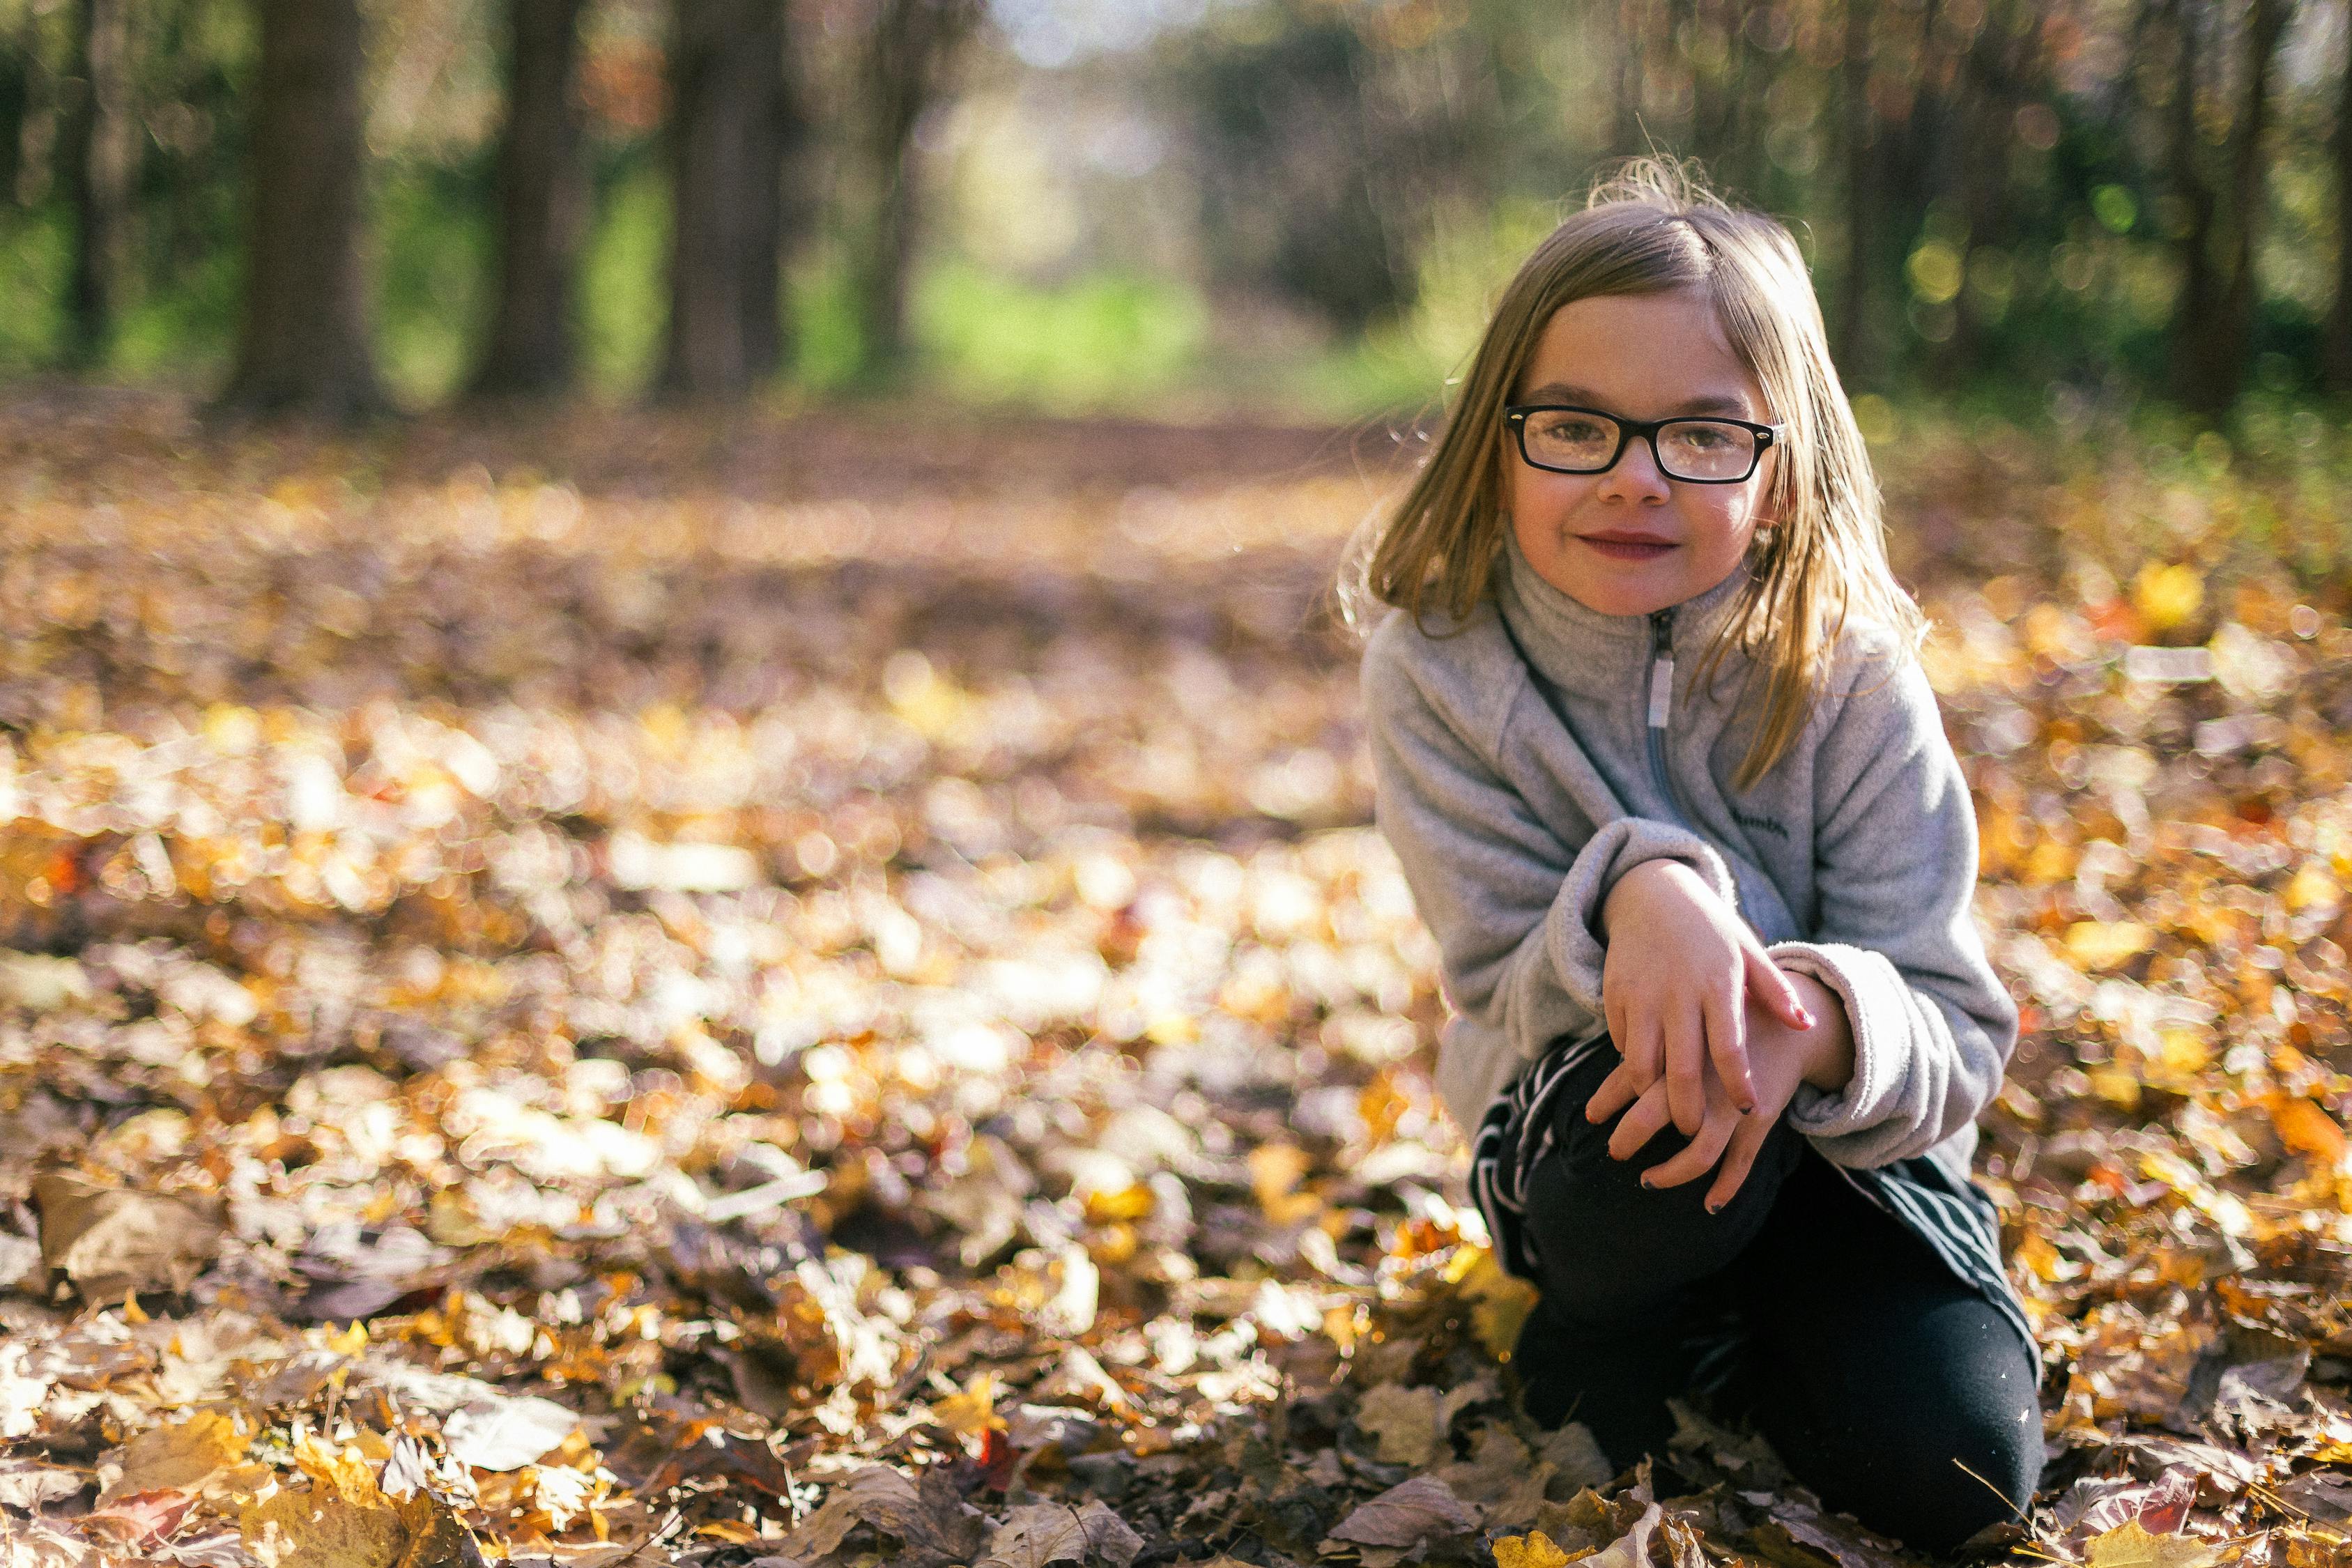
(1636, 476)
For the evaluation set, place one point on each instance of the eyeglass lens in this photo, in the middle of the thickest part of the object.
(1695, 449)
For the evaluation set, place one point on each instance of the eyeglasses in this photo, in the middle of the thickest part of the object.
(1566, 439)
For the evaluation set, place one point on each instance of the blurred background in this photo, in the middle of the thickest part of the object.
(1284, 210)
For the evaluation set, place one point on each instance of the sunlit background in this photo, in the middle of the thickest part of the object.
(1296, 209)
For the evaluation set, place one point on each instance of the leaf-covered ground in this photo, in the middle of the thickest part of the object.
(642, 990)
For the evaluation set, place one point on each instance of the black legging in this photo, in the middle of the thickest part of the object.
(1873, 1370)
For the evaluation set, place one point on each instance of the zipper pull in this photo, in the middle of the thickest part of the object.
(1661, 666)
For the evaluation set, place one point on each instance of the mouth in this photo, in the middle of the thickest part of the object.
(1626, 546)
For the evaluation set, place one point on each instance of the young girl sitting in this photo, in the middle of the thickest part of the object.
(1672, 793)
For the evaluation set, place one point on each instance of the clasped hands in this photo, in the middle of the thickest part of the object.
(1712, 1034)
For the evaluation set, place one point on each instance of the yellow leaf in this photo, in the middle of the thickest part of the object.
(181, 1457)
(2185, 1050)
(2129, 1545)
(2166, 596)
(1133, 1202)
(2116, 1086)
(1533, 1550)
(2312, 887)
(2103, 945)
(2307, 1129)
(972, 1411)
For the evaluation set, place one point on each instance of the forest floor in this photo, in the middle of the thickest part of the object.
(631, 989)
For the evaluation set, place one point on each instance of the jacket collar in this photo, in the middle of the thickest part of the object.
(1579, 647)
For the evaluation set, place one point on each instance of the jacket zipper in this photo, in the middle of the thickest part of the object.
(1661, 683)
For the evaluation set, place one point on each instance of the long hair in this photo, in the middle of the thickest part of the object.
(1649, 227)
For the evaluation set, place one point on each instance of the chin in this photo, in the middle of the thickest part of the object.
(1612, 599)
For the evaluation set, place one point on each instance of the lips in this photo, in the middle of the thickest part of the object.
(1617, 546)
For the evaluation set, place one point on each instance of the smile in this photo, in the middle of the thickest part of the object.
(1624, 550)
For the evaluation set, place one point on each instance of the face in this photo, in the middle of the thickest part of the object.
(1631, 541)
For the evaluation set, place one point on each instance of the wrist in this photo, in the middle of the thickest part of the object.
(1827, 1050)
(1632, 885)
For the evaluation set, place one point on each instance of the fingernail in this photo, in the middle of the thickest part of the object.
(1649, 1183)
(1714, 1207)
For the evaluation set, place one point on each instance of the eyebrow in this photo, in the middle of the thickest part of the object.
(1708, 403)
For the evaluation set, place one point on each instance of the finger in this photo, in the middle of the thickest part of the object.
(1617, 1091)
(1698, 1156)
(1644, 1122)
(1640, 1046)
(1726, 1046)
(1738, 1159)
(1687, 1070)
(1769, 984)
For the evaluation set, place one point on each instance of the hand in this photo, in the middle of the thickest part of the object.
(1784, 1058)
(1679, 966)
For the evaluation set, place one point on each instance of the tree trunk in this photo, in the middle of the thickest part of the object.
(304, 348)
(96, 148)
(727, 139)
(913, 46)
(542, 205)
(1856, 355)
(2213, 336)
(2335, 347)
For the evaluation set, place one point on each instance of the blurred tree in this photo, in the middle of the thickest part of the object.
(98, 146)
(2336, 349)
(304, 343)
(730, 121)
(542, 204)
(906, 65)
(2213, 320)
(18, 43)
(1298, 144)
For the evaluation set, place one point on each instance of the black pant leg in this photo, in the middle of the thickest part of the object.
(1887, 1385)
(1619, 1327)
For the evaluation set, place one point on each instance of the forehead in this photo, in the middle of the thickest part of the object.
(1642, 354)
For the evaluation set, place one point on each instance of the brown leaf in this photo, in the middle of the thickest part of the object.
(1043, 1533)
(924, 1515)
(1404, 1420)
(109, 1241)
(1407, 1514)
(179, 1457)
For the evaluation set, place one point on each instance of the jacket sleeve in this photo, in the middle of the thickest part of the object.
(1512, 905)
(1895, 934)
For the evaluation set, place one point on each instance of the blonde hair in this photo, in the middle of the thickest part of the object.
(1649, 227)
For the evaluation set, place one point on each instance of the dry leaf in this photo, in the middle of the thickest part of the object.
(1404, 1420)
(2129, 1545)
(111, 1242)
(1421, 1508)
(1533, 1550)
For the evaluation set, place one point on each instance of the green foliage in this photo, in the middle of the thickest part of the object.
(621, 308)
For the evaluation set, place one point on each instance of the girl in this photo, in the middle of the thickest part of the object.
(1672, 792)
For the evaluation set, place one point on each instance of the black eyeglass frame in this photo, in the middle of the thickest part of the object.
(1516, 416)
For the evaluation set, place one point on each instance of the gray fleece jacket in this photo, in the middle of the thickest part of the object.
(1516, 798)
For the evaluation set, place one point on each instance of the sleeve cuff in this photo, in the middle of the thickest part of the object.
(1578, 949)
(1854, 974)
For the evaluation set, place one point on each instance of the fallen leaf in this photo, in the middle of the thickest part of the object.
(1533, 1550)
(178, 1458)
(1404, 1421)
(2129, 1545)
(111, 1241)
(925, 1515)
(1406, 1515)
(507, 1432)
(1043, 1534)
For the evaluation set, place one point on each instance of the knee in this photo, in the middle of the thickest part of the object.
(1945, 1464)
(1609, 1244)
